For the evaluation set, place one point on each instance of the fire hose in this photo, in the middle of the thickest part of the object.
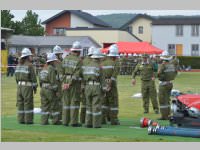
(174, 131)
(155, 129)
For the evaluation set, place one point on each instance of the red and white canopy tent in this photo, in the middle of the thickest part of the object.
(135, 48)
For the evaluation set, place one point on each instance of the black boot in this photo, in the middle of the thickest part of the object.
(88, 126)
(76, 125)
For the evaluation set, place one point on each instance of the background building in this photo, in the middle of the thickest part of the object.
(79, 23)
(43, 44)
(140, 26)
(179, 35)
(57, 24)
(104, 36)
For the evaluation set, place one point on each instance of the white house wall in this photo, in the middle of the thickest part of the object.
(125, 36)
(146, 24)
(162, 35)
(79, 22)
(100, 36)
(103, 36)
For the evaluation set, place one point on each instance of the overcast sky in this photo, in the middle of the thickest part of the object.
(45, 14)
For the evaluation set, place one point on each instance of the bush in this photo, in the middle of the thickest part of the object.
(193, 61)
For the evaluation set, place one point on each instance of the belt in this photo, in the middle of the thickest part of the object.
(45, 85)
(26, 83)
(93, 83)
(146, 80)
(73, 77)
(165, 82)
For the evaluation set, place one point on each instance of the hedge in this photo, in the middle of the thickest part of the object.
(193, 61)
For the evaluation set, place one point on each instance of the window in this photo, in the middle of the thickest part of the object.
(195, 50)
(179, 30)
(172, 49)
(59, 31)
(85, 52)
(195, 30)
(140, 29)
(130, 29)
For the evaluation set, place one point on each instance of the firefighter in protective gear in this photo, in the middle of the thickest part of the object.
(110, 69)
(49, 91)
(71, 86)
(59, 52)
(26, 85)
(148, 88)
(86, 60)
(92, 75)
(175, 61)
(166, 73)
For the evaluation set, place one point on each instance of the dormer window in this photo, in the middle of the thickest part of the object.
(140, 29)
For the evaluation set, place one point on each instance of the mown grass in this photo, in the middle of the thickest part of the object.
(130, 113)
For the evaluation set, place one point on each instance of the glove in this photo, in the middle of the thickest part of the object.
(133, 81)
(106, 88)
(66, 86)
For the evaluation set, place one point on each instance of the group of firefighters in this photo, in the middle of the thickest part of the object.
(87, 85)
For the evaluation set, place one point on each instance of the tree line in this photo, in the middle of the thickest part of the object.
(30, 24)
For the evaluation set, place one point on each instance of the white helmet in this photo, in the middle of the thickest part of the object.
(135, 54)
(91, 50)
(165, 56)
(97, 53)
(165, 53)
(57, 50)
(113, 51)
(51, 57)
(114, 45)
(26, 52)
(154, 56)
(76, 46)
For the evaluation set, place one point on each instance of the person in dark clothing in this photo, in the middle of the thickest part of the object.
(10, 65)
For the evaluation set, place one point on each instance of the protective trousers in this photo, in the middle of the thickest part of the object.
(148, 90)
(45, 106)
(71, 104)
(105, 108)
(164, 99)
(59, 99)
(93, 95)
(114, 105)
(83, 108)
(49, 106)
(25, 104)
(110, 106)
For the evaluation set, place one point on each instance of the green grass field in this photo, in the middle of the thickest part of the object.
(130, 113)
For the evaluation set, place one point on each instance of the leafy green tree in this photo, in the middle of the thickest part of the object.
(31, 24)
(18, 27)
(6, 19)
